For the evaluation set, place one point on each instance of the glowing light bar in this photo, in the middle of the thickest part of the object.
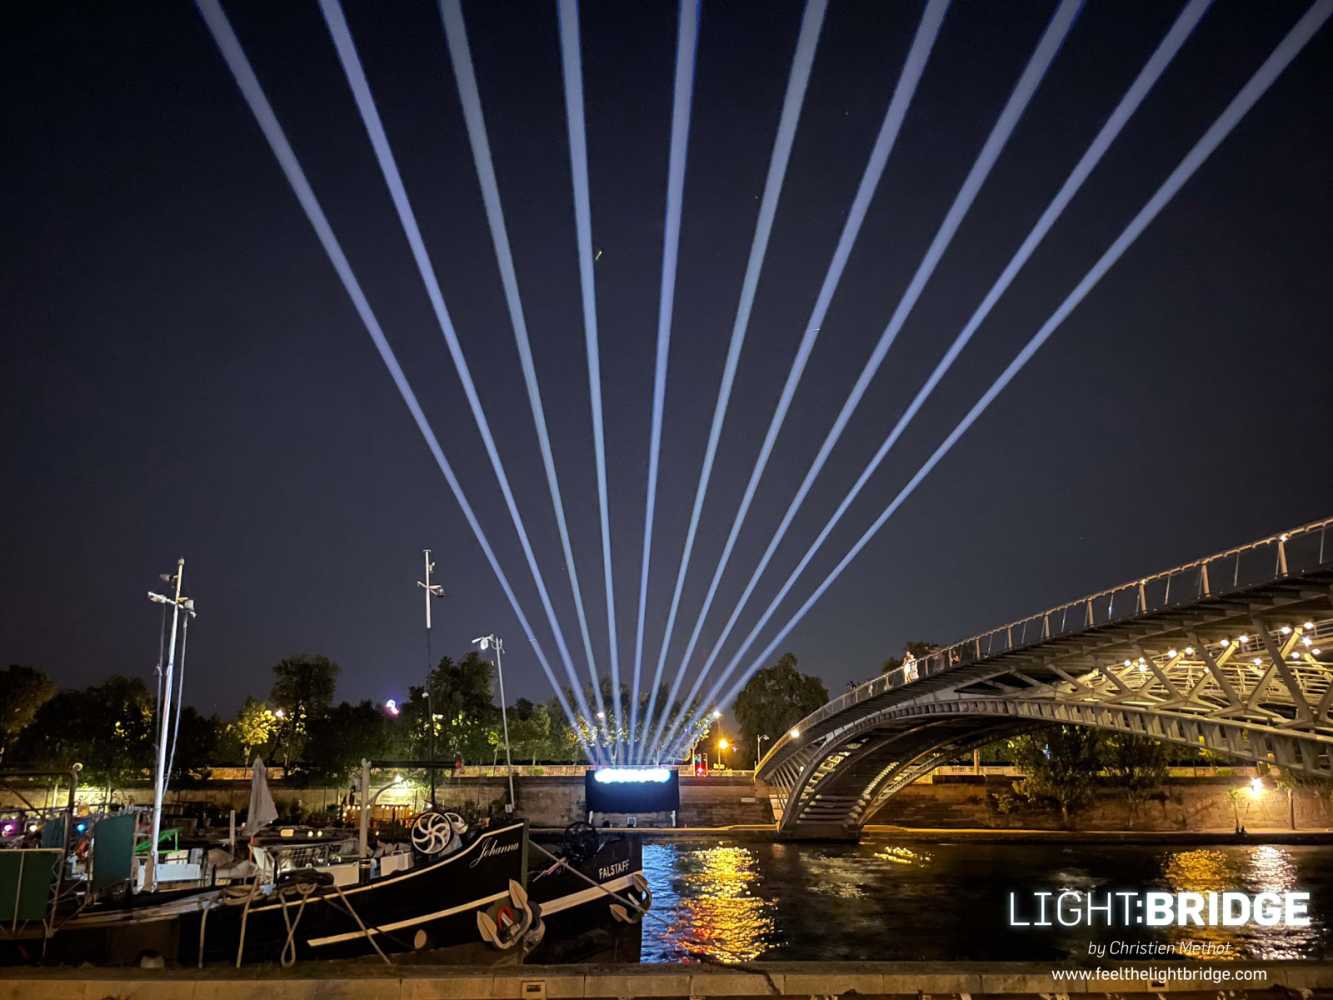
(793, 100)
(631, 775)
(571, 64)
(460, 56)
(234, 55)
(1047, 48)
(904, 91)
(379, 141)
(1287, 50)
(686, 45)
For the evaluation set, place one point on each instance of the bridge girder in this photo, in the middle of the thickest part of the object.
(1243, 674)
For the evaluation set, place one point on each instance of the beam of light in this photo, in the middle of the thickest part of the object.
(571, 62)
(798, 79)
(905, 89)
(686, 44)
(240, 67)
(1047, 48)
(1287, 50)
(1134, 96)
(460, 56)
(379, 140)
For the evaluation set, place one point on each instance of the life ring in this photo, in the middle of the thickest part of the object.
(506, 922)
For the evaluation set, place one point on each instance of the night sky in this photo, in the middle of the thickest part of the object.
(188, 376)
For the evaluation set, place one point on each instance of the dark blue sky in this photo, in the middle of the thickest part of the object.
(188, 376)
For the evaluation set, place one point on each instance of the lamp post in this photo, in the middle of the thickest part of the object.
(432, 590)
(722, 746)
(758, 743)
(493, 641)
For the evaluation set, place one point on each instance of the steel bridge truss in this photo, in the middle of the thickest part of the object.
(1244, 672)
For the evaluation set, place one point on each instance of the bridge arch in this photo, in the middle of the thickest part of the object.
(1242, 672)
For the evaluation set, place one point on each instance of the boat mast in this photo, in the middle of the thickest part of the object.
(164, 722)
(432, 590)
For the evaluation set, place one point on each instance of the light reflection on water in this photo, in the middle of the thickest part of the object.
(707, 896)
(1262, 868)
(738, 902)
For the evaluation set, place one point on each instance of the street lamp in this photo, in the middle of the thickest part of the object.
(758, 743)
(722, 746)
(484, 643)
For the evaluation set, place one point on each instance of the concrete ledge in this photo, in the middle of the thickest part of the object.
(334, 981)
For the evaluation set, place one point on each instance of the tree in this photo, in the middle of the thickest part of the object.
(564, 739)
(465, 714)
(108, 728)
(253, 730)
(530, 731)
(339, 740)
(303, 689)
(198, 744)
(915, 650)
(774, 700)
(1136, 763)
(23, 691)
(1061, 765)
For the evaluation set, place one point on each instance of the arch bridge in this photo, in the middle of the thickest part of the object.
(1232, 653)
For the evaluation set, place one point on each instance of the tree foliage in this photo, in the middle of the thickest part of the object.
(252, 732)
(339, 740)
(303, 688)
(1137, 764)
(108, 728)
(465, 714)
(1061, 765)
(199, 740)
(531, 731)
(23, 691)
(774, 700)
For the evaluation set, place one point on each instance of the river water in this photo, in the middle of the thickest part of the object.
(881, 900)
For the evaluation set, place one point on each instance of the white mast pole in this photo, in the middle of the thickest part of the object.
(504, 719)
(159, 782)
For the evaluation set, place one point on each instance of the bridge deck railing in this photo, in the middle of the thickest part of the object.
(1286, 553)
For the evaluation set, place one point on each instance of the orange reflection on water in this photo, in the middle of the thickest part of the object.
(1199, 870)
(719, 915)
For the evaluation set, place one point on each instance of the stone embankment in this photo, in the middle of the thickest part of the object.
(864, 980)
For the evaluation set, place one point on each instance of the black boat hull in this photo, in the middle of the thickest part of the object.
(580, 926)
(431, 909)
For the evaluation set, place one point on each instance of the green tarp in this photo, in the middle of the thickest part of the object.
(53, 833)
(113, 851)
(26, 877)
